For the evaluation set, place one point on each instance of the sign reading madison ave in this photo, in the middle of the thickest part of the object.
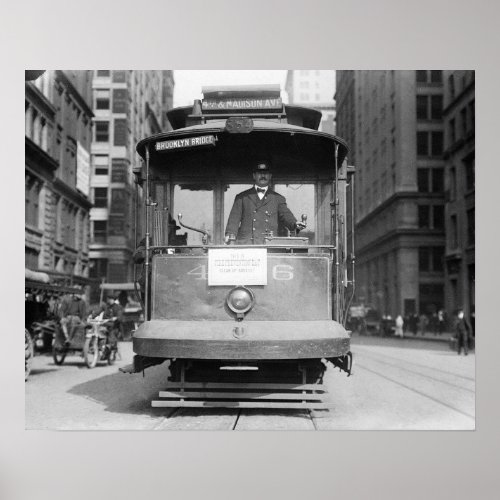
(189, 142)
(237, 267)
(239, 104)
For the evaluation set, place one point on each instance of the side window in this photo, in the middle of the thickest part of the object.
(300, 200)
(196, 204)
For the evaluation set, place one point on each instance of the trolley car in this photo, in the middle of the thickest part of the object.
(244, 325)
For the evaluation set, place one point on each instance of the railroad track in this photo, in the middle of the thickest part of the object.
(237, 419)
(455, 391)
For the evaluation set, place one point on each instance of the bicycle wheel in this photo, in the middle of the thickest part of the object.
(91, 351)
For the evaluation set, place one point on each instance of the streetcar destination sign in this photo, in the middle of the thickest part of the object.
(247, 266)
(185, 143)
(241, 104)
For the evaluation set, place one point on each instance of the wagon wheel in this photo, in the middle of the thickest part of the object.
(28, 354)
(59, 354)
(91, 351)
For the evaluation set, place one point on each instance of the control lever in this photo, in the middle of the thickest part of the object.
(206, 235)
(301, 225)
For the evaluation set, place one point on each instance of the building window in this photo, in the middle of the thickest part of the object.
(471, 226)
(101, 197)
(102, 131)
(31, 258)
(453, 232)
(32, 196)
(452, 131)
(422, 107)
(422, 144)
(436, 107)
(437, 180)
(451, 86)
(469, 164)
(437, 143)
(421, 76)
(438, 216)
(103, 72)
(438, 259)
(102, 99)
(100, 231)
(423, 180)
(453, 183)
(424, 216)
(431, 259)
(304, 85)
(423, 259)
(101, 164)
(463, 120)
(436, 76)
(472, 113)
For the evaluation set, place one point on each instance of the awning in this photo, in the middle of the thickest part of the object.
(117, 286)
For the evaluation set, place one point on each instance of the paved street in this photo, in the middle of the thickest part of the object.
(397, 384)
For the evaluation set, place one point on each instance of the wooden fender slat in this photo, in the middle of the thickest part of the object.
(240, 395)
(241, 404)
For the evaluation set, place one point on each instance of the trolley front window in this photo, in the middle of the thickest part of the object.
(196, 204)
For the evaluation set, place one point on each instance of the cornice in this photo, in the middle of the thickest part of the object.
(76, 95)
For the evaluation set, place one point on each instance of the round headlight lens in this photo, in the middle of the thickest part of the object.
(240, 300)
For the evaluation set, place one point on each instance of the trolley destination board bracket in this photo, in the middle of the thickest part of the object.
(247, 266)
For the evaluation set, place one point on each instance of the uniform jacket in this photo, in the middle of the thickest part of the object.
(251, 217)
(463, 329)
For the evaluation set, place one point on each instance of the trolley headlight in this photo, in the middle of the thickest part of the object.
(240, 300)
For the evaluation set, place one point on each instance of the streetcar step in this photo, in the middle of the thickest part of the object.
(249, 395)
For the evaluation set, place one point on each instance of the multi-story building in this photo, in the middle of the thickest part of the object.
(58, 134)
(459, 155)
(128, 106)
(393, 123)
(314, 89)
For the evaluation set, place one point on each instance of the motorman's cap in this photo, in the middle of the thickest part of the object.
(262, 167)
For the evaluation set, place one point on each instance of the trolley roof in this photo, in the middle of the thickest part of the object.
(265, 134)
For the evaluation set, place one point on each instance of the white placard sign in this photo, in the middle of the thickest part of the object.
(232, 266)
(82, 169)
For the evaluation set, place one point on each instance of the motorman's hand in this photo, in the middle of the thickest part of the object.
(299, 226)
(229, 239)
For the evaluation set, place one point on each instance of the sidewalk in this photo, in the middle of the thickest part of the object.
(440, 337)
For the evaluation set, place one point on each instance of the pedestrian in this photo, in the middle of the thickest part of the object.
(463, 333)
(399, 326)
(259, 212)
(423, 322)
(441, 320)
(414, 323)
(72, 312)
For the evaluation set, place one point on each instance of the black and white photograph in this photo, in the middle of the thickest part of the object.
(245, 222)
(250, 250)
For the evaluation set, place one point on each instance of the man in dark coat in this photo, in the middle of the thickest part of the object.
(259, 212)
(72, 312)
(463, 332)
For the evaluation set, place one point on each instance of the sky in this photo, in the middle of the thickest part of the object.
(188, 83)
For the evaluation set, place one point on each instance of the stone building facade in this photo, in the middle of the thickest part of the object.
(128, 106)
(58, 133)
(459, 155)
(314, 89)
(392, 121)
